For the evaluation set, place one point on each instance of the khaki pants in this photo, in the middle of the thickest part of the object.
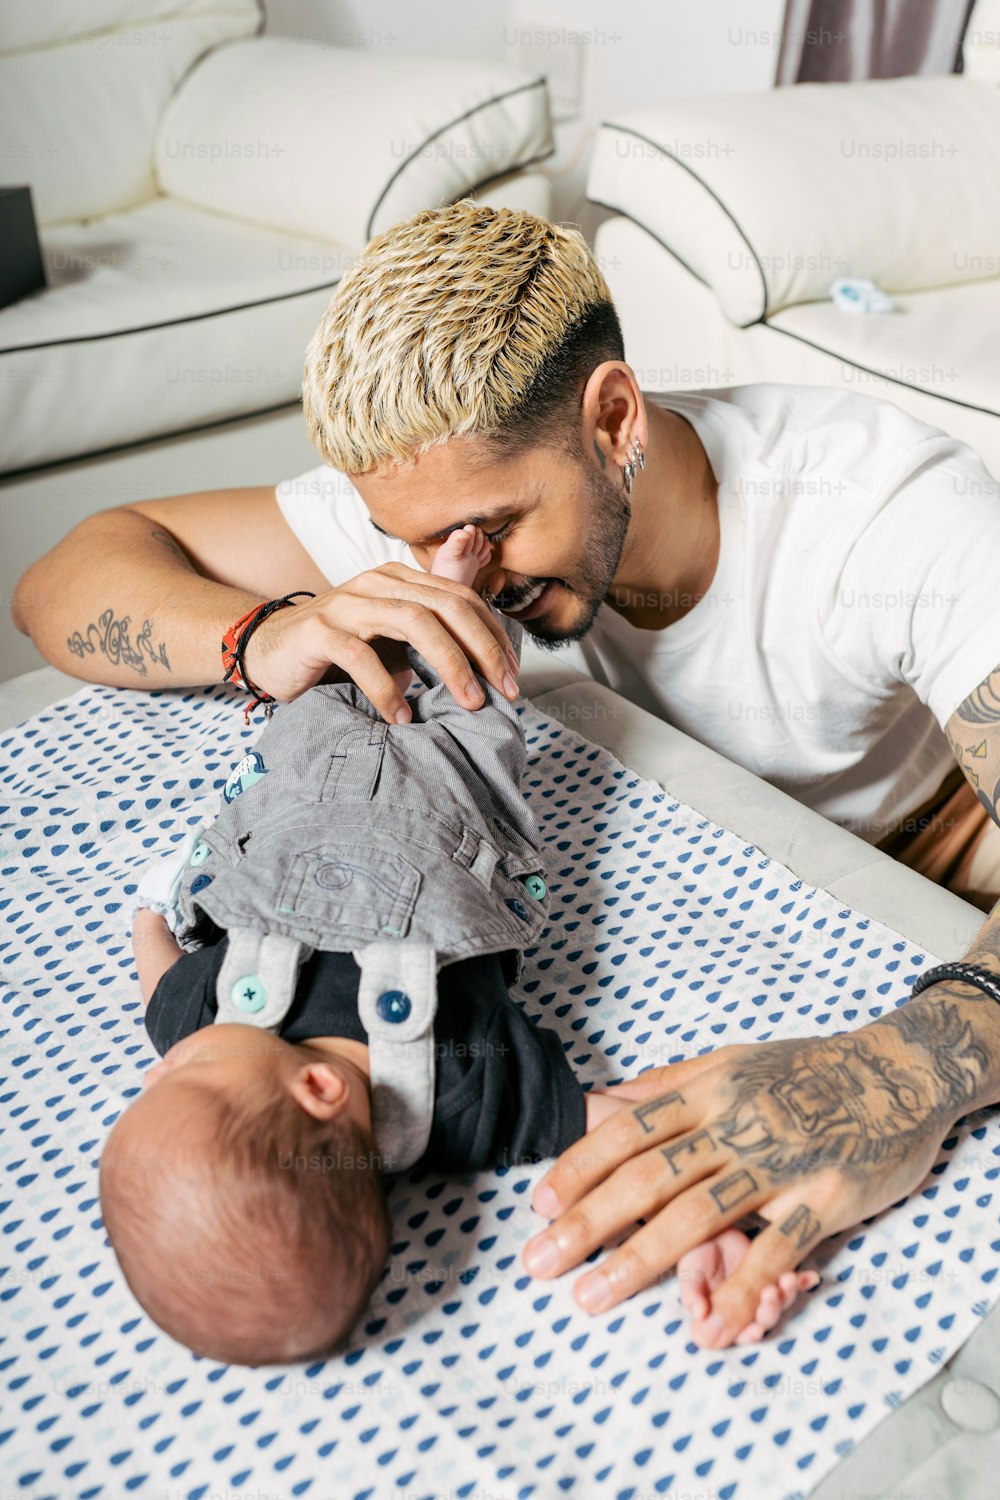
(953, 841)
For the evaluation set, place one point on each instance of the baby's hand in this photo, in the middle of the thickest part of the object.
(703, 1269)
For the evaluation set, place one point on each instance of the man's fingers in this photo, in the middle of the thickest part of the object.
(479, 634)
(364, 667)
(660, 1108)
(660, 1244)
(611, 1146)
(441, 643)
(638, 1189)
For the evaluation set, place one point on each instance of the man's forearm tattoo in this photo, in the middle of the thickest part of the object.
(110, 636)
(977, 750)
(982, 706)
(642, 1112)
(960, 1059)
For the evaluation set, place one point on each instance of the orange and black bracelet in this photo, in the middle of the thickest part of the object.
(234, 644)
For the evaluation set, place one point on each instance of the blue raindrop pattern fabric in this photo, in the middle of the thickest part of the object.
(669, 937)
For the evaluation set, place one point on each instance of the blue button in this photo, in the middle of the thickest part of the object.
(199, 883)
(200, 853)
(535, 886)
(393, 1005)
(249, 994)
(519, 909)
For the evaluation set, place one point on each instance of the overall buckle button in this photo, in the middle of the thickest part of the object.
(249, 994)
(393, 1005)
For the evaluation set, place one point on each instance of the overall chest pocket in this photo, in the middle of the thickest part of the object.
(339, 888)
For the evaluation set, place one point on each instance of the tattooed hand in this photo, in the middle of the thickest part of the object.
(812, 1135)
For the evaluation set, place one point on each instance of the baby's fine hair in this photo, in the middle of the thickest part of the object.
(262, 1245)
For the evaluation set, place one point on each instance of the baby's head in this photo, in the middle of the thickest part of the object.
(242, 1195)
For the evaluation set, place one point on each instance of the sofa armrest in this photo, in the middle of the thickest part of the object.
(339, 143)
(767, 198)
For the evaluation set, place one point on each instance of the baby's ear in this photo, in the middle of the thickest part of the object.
(320, 1089)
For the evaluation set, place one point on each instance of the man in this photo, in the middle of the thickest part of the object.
(802, 579)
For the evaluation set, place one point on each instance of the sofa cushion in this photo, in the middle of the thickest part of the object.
(84, 86)
(768, 198)
(156, 321)
(343, 143)
(942, 342)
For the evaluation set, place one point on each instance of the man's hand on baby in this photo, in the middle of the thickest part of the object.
(355, 632)
(701, 1270)
(761, 1128)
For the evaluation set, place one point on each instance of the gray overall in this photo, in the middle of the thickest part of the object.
(409, 846)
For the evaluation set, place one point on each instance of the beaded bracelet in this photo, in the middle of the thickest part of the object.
(234, 644)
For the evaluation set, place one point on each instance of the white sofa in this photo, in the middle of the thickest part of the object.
(200, 188)
(733, 216)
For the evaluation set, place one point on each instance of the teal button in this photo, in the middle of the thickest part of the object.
(199, 854)
(535, 886)
(249, 994)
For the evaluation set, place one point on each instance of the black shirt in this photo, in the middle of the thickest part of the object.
(504, 1091)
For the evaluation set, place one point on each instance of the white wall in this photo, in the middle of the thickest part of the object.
(632, 53)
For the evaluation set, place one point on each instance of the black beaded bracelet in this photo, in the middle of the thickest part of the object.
(966, 973)
(237, 670)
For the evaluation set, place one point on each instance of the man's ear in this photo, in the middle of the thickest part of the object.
(612, 411)
(320, 1090)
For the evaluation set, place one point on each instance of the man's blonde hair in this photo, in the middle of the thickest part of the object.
(441, 328)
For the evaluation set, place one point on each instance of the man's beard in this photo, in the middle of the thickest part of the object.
(607, 528)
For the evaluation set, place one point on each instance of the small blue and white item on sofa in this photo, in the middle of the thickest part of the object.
(854, 294)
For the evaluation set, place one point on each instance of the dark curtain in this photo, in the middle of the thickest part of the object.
(835, 41)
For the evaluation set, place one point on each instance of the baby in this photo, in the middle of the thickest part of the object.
(306, 1049)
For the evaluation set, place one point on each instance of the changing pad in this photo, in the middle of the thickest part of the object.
(669, 936)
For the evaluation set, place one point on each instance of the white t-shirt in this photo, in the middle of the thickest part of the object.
(853, 607)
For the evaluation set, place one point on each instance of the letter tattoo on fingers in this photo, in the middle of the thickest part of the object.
(689, 1146)
(733, 1189)
(641, 1112)
(802, 1225)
